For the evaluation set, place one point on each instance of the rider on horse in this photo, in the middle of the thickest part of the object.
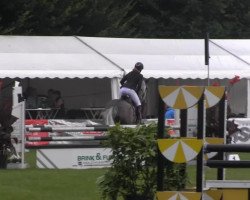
(131, 84)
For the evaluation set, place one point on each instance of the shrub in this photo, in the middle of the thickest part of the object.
(133, 172)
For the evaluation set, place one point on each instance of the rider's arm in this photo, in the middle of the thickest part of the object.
(123, 79)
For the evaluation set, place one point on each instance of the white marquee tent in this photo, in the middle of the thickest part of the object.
(77, 61)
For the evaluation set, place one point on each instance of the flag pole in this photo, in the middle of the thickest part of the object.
(207, 57)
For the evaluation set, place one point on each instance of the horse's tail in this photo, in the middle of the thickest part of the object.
(108, 115)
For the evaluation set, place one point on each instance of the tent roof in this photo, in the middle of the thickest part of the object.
(52, 57)
(70, 57)
(178, 58)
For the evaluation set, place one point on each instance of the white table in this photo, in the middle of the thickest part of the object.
(42, 113)
(92, 113)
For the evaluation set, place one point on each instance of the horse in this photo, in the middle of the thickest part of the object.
(123, 110)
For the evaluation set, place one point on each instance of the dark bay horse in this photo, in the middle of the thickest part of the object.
(122, 110)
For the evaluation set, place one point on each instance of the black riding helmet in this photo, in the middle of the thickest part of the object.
(139, 66)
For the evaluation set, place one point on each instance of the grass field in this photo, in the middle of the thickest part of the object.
(45, 184)
(230, 174)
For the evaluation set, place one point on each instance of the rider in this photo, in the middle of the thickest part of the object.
(131, 84)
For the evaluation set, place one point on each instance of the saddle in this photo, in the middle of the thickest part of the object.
(128, 99)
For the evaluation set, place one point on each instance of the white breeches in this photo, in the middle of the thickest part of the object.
(132, 94)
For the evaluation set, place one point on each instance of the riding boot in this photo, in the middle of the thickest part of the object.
(139, 114)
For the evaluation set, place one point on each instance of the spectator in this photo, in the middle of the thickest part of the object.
(50, 100)
(31, 98)
(59, 103)
(169, 113)
(169, 120)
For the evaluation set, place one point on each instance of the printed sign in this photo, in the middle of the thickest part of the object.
(239, 130)
(79, 158)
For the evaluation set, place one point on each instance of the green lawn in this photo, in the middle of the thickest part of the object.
(45, 184)
(230, 174)
(48, 184)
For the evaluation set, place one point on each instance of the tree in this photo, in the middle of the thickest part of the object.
(127, 18)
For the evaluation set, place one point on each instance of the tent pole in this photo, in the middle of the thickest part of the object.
(115, 88)
(248, 98)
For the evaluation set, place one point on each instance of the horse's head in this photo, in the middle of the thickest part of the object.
(143, 91)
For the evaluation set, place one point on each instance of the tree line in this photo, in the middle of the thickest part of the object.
(127, 18)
